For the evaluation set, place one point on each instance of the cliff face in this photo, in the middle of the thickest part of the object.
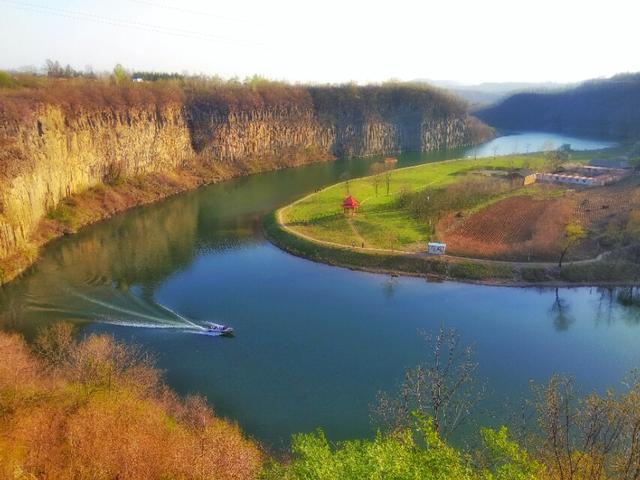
(50, 151)
(59, 156)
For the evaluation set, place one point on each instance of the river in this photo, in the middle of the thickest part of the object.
(314, 343)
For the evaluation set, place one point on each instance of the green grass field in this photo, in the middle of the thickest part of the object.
(381, 222)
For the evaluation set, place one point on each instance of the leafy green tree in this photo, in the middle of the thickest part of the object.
(120, 75)
(6, 80)
(506, 459)
(415, 453)
(574, 232)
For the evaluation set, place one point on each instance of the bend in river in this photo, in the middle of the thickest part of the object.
(314, 343)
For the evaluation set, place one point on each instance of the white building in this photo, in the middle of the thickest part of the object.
(435, 248)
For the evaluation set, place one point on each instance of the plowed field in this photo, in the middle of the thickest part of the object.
(519, 228)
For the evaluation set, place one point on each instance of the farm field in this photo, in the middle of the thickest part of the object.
(477, 207)
(521, 227)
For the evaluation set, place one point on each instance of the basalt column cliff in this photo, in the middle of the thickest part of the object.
(62, 138)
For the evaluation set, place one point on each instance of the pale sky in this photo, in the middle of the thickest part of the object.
(330, 40)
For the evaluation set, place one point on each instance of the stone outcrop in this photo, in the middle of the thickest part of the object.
(49, 152)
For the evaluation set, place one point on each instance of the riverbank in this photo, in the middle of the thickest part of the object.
(386, 236)
(103, 201)
(109, 145)
(596, 272)
(62, 137)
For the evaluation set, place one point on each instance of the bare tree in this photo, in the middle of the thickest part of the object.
(346, 179)
(443, 387)
(376, 170)
(590, 438)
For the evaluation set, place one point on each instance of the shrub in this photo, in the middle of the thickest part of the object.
(6, 80)
(96, 408)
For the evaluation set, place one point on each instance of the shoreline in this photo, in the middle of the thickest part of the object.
(111, 200)
(456, 269)
(608, 268)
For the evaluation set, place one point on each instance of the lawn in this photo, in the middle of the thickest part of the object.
(381, 222)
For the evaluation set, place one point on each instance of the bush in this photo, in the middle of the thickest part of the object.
(96, 408)
(534, 274)
(479, 271)
(413, 453)
(6, 80)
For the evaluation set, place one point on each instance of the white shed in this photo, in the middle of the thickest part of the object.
(435, 248)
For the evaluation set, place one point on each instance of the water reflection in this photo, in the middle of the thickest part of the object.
(560, 312)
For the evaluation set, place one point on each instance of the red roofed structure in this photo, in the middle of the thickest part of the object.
(350, 204)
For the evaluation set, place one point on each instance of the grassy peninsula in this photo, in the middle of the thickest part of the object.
(497, 227)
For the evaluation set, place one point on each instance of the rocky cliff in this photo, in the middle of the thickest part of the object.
(52, 147)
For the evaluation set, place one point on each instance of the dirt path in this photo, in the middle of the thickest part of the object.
(451, 258)
(361, 240)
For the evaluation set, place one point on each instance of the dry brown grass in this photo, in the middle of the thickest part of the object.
(531, 228)
(97, 409)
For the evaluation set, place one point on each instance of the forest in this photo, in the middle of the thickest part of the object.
(606, 108)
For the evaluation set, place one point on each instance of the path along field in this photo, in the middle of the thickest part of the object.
(522, 224)
(381, 221)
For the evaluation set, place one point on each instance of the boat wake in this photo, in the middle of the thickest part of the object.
(112, 306)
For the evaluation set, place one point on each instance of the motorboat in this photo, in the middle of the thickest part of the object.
(218, 329)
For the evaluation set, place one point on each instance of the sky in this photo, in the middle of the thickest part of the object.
(330, 41)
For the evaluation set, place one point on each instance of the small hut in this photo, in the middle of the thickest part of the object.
(436, 248)
(350, 205)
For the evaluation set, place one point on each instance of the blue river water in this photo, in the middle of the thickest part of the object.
(314, 343)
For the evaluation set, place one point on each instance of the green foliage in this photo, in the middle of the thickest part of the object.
(416, 453)
(506, 459)
(61, 213)
(479, 271)
(413, 453)
(417, 196)
(574, 233)
(156, 76)
(430, 204)
(6, 80)
(555, 158)
(120, 75)
(604, 107)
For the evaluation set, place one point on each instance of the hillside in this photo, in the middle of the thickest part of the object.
(144, 141)
(482, 95)
(607, 108)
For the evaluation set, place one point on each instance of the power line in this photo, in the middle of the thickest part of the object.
(76, 15)
(198, 13)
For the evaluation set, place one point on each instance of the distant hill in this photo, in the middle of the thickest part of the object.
(607, 108)
(484, 94)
